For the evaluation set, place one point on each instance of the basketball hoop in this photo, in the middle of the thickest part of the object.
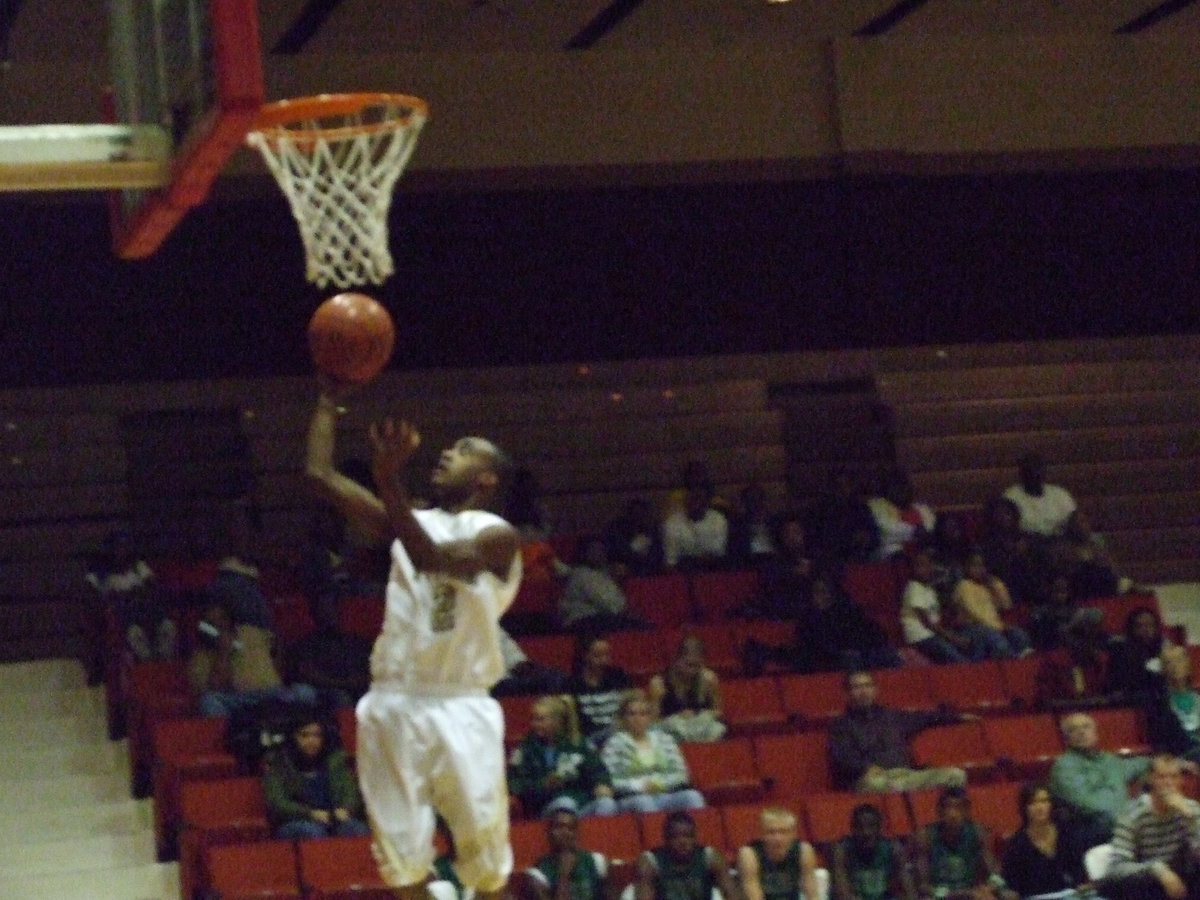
(337, 158)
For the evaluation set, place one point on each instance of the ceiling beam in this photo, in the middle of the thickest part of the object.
(1153, 16)
(602, 23)
(889, 18)
(305, 26)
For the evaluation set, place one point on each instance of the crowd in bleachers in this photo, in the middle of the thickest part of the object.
(691, 659)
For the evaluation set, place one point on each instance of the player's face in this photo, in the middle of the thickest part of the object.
(862, 691)
(778, 836)
(564, 831)
(462, 464)
(681, 839)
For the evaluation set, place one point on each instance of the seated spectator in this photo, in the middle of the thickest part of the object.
(1090, 784)
(1045, 509)
(649, 774)
(848, 638)
(1042, 858)
(1134, 659)
(568, 872)
(333, 662)
(750, 534)
(634, 539)
(1048, 620)
(779, 865)
(921, 617)
(953, 855)
(786, 576)
(310, 788)
(1083, 555)
(840, 525)
(1156, 841)
(948, 548)
(900, 520)
(696, 536)
(866, 865)
(868, 744)
(524, 676)
(597, 686)
(126, 584)
(593, 599)
(232, 666)
(682, 868)
(1075, 675)
(1011, 555)
(687, 697)
(554, 768)
(979, 599)
(1173, 712)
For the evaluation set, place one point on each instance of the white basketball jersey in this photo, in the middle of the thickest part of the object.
(441, 632)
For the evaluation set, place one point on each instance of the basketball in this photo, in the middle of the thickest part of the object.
(350, 337)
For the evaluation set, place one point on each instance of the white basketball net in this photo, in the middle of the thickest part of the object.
(338, 174)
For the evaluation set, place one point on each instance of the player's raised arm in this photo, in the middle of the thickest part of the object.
(353, 500)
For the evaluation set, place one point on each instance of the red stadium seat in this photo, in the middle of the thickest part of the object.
(361, 615)
(184, 749)
(1020, 680)
(961, 745)
(718, 595)
(340, 869)
(753, 706)
(663, 600)
(905, 688)
(221, 811)
(640, 653)
(710, 829)
(793, 765)
(828, 815)
(813, 701)
(529, 843)
(554, 650)
(725, 771)
(618, 837)
(970, 687)
(1121, 730)
(1025, 746)
(265, 870)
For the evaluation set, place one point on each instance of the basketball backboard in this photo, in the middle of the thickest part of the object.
(194, 69)
(186, 86)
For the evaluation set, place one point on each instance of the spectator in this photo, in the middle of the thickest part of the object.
(1011, 555)
(333, 661)
(1156, 841)
(649, 774)
(1042, 858)
(777, 866)
(750, 534)
(1134, 663)
(597, 686)
(687, 697)
(868, 866)
(953, 855)
(696, 536)
(524, 676)
(232, 667)
(841, 527)
(1091, 784)
(1075, 675)
(1083, 555)
(1044, 508)
(900, 520)
(593, 599)
(554, 768)
(849, 638)
(948, 548)
(125, 583)
(568, 872)
(979, 599)
(921, 617)
(682, 868)
(868, 744)
(1048, 620)
(310, 789)
(786, 578)
(634, 539)
(1173, 714)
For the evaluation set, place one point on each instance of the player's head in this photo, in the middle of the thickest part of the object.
(866, 825)
(679, 834)
(778, 830)
(562, 830)
(470, 472)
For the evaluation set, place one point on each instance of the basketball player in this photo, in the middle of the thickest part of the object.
(430, 739)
